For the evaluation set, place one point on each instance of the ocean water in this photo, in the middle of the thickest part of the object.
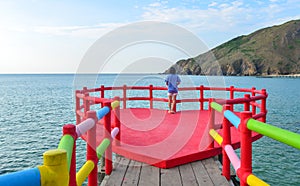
(33, 109)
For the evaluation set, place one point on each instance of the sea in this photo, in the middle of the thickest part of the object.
(34, 108)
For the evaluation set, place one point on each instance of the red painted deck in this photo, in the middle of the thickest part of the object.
(166, 140)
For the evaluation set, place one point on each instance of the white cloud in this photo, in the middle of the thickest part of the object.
(156, 4)
(94, 31)
(217, 16)
(213, 4)
(224, 20)
(226, 17)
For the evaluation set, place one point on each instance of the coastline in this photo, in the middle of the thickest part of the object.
(280, 76)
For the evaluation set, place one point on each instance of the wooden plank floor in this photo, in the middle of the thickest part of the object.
(130, 172)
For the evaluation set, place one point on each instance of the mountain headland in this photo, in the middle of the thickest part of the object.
(269, 51)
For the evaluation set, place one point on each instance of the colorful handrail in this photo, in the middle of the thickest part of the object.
(59, 168)
(278, 134)
(236, 162)
(245, 124)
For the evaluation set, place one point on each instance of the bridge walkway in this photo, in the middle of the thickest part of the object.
(130, 172)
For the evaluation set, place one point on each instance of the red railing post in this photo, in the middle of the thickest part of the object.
(77, 107)
(86, 102)
(117, 123)
(91, 150)
(211, 119)
(264, 105)
(102, 93)
(246, 149)
(226, 141)
(124, 96)
(70, 129)
(253, 106)
(175, 106)
(107, 131)
(231, 96)
(247, 103)
(151, 96)
(201, 97)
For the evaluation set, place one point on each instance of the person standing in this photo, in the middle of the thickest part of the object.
(172, 82)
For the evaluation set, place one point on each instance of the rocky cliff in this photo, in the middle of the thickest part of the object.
(269, 51)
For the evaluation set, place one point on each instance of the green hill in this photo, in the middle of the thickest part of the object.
(269, 51)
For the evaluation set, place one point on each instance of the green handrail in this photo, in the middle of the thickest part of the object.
(276, 133)
(216, 106)
(67, 143)
(284, 136)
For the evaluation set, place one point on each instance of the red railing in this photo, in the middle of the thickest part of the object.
(83, 106)
(252, 100)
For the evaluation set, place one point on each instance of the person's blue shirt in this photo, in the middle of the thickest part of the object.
(172, 81)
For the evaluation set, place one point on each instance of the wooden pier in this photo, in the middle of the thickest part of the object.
(129, 172)
(158, 148)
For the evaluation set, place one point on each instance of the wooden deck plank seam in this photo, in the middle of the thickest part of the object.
(197, 173)
(124, 176)
(191, 170)
(140, 171)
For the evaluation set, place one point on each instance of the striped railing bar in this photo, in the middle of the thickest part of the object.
(216, 106)
(102, 112)
(106, 142)
(102, 147)
(233, 118)
(66, 143)
(251, 179)
(216, 136)
(234, 159)
(114, 132)
(84, 126)
(278, 134)
(255, 181)
(115, 104)
(84, 172)
(25, 177)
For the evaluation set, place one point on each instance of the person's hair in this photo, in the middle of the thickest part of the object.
(172, 70)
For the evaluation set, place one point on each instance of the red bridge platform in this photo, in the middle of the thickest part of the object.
(166, 140)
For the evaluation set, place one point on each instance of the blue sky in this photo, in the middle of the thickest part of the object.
(51, 36)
